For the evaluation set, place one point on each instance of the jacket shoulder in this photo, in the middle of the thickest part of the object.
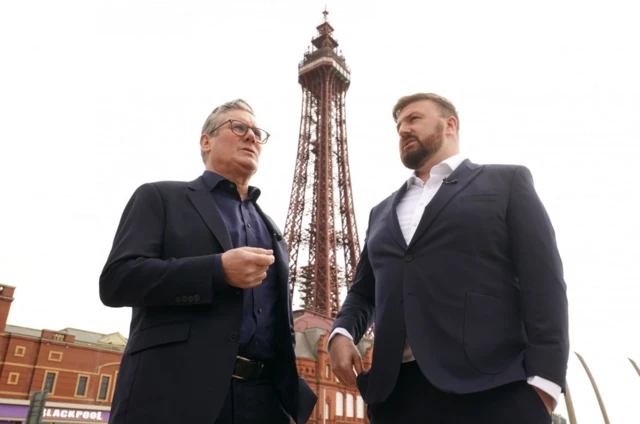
(504, 170)
(501, 168)
(169, 185)
(159, 189)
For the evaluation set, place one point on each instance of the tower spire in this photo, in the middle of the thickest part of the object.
(321, 228)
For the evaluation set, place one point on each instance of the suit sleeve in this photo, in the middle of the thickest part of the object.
(357, 312)
(135, 274)
(542, 285)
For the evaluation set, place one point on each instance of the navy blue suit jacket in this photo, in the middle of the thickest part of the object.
(479, 291)
(184, 335)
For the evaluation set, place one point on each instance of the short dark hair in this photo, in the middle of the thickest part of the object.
(446, 107)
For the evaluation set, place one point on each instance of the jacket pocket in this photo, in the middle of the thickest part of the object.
(493, 332)
(174, 332)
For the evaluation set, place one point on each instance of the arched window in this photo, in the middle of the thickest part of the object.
(349, 405)
(359, 407)
(326, 371)
(339, 404)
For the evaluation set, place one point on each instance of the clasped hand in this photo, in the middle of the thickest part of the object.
(246, 267)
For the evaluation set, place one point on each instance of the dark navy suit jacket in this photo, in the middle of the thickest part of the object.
(479, 291)
(184, 334)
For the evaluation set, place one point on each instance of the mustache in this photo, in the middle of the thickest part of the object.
(410, 137)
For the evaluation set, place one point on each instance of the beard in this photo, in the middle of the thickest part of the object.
(423, 149)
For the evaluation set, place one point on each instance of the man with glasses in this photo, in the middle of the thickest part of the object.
(206, 273)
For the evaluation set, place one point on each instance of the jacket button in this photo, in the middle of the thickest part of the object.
(234, 337)
(178, 299)
(196, 298)
(408, 258)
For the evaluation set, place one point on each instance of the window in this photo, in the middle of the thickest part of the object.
(326, 371)
(49, 381)
(326, 410)
(13, 378)
(339, 404)
(55, 356)
(104, 387)
(359, 407)
(81, 388)
(20, 351)
(349, 405)
(115, 381)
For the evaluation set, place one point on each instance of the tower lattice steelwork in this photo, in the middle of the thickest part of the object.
(321, 226)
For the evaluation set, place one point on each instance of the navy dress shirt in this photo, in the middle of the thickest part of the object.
(247, 228)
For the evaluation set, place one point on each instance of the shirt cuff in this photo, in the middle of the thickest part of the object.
(547, 386)
(338, 330)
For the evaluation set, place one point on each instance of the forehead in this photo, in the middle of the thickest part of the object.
(425, 107)
(240, 115)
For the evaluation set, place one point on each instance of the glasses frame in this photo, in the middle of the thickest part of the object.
(254, 129)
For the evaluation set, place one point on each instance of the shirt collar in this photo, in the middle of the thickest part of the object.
(212, 180)
(443, 169)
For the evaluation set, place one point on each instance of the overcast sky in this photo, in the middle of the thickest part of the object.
(99, 97)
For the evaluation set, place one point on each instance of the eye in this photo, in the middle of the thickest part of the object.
(413, 118)
(257, 132)
(239, 127)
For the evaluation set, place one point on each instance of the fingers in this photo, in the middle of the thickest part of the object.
(346, 375)
(257, 250)
(256, 280)
(260, 257)
(262, 260)
(246, 267)
(357, 364)
(344, 359)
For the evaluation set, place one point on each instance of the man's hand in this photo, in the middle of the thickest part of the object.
(246, 267)
(548, 400)
(344, 358)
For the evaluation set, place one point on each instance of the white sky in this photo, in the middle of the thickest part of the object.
(99, 97)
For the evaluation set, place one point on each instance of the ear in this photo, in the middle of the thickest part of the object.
(452, 126)
(205, 142)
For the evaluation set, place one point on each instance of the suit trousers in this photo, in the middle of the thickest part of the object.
(415, 400)
(252, 402)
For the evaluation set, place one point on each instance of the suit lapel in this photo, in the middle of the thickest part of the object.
(463, 175)
(201, 198)
(392, 217)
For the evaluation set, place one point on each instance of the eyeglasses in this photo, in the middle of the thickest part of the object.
(241, 129)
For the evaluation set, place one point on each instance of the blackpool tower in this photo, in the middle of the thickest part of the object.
(321, 227)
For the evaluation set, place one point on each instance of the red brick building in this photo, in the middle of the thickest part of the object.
(79, 369)
(336, 403)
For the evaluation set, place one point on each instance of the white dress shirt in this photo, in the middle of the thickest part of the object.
(409, 211)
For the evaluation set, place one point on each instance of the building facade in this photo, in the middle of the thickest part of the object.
(79, 369)
(337, 404)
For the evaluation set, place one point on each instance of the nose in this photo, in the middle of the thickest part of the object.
(404, 130)
(250, 136)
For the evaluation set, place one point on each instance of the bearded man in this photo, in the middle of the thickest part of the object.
(461, 275)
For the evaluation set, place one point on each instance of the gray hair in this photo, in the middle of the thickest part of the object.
(214, 117)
